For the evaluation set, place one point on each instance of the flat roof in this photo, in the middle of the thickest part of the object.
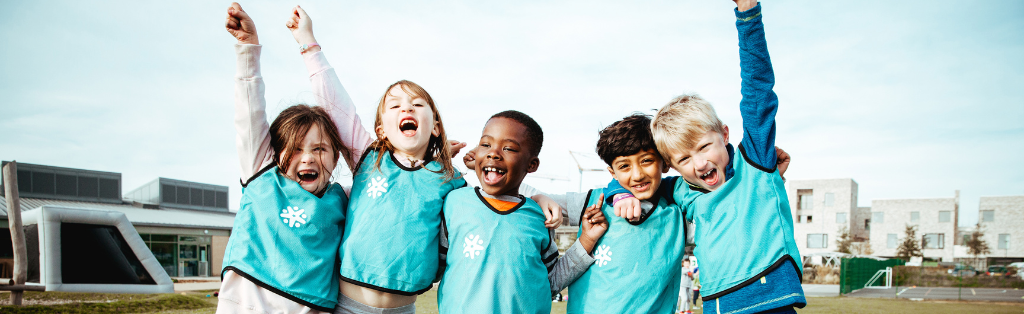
(161, 217)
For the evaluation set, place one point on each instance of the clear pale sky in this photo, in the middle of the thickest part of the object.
(911, 99)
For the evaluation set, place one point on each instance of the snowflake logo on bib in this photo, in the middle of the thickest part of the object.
(294, 217)
(472, 247)
(377, 187)
(603, 255)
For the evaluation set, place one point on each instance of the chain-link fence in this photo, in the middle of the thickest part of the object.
(855, 272)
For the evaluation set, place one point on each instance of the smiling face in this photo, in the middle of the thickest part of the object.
(703, 165)
(639, 173)
(407, 121)
(503, 158)
(311, 162)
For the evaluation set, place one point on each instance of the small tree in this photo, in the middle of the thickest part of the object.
(976, 245)
(844, 241)
(909, 247)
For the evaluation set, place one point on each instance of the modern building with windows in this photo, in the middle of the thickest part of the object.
(1001, 219)
(185, 224)
(821, 209)
(934, 218)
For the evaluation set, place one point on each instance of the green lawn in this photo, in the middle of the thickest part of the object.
(198, 302)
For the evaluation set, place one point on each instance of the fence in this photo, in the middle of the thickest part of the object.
(854, 273)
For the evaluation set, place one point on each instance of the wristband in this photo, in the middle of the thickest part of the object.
(304, 48)
(620, 196)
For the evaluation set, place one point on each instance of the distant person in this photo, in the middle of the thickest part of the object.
(685, 289)
(283, 249)
(696, 287)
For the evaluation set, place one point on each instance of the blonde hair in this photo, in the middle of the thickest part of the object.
(681, 123)
(437, 146)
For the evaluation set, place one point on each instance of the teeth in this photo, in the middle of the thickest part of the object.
(706, 173)
(492, 169)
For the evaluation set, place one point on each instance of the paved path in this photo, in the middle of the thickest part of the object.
(821, 290)
(929, 293)
(197, 283)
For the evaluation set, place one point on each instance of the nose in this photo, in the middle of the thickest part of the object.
(635, 174)
(700, 162)
(306, 157)
(492, 153)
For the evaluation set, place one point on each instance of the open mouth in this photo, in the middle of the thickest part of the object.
(308, 176)
(642, 187)
(711, 177)
(492, 175)
(408, 126)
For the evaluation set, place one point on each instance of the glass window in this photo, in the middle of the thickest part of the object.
(988, 216)
(1004, 241)
(163, 238)
(934, 241)
(840, 218)
(892, 241)
(810, 219)
(817, 241)
(164, 253)
(806, 201)
(878, 217)
(944, 215)
(915, 217)
(829, 198)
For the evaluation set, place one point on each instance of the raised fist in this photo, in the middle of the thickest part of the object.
(240, 25)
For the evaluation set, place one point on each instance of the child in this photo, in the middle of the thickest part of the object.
(507, 262)
(391, 252)
(283, 248)
(685, 286)
(740, 209)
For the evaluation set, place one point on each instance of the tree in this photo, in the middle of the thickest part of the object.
(976, 245)
(909, 247)
(844, 241)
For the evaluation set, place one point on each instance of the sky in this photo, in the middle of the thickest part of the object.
(911, 99)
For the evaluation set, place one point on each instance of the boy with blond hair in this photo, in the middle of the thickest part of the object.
(743, 226)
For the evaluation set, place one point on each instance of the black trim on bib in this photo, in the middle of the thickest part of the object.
(522, 201)
(662, 190)
(403, 167)
(274, 290)
(757, 277)
(584, 211)
(749, 162)
(382, 289)
(257, 175)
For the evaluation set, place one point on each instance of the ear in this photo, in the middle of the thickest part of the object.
(664, 166)
(437, 129)
(380, 132)
(610, 171)
(534, 164)
(725, 133)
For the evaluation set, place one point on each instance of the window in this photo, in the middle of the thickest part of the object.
(944, 216)
(915, 217)
(891, 242)
(967, 238)
(867, 224)
(988, 216)
(829, 198)
(878, 217)
(934, 240)
(840, 218)
(1004, 241)
(806, 201)
(817, 241)
(810, 219)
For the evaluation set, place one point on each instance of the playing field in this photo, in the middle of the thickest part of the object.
(427, 303)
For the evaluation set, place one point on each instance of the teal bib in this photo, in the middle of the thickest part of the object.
(394, 221)
(494, 260)
(637, 267)
(742, 228)
(286, 239)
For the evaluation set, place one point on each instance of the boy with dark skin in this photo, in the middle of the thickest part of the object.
(508, 261)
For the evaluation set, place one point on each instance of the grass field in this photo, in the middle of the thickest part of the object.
(198, 302)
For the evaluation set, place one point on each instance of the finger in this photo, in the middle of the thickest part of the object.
(636, 210)
(547, 214)
(301, 13)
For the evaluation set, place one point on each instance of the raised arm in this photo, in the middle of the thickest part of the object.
(253, 131)
(328, 90)
(759, 103)
(577, 259)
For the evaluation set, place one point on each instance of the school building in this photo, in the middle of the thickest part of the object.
(821, 209)
(185, 224)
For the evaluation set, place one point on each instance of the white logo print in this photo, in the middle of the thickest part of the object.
(603, 255)
(294, 217)
(377, 187)
(472, 247)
